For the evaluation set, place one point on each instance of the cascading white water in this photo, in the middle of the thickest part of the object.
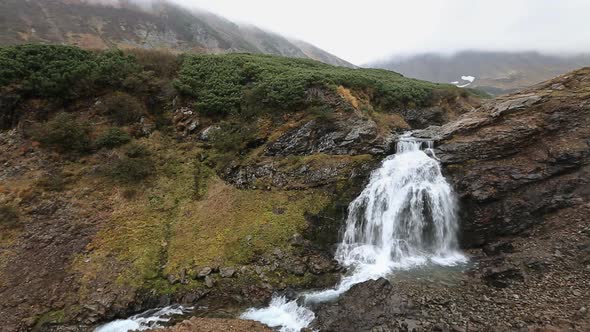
(147, 320)
(405, 217)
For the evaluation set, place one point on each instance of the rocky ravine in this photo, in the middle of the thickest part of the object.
(205, 228)
(520, 165)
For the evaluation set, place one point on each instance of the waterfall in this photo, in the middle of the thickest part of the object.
(405, 217)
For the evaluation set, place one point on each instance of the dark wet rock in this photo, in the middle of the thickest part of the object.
(297, 267)
(319, 264)
(502, 276)
(497, 248)
(9, 116)
(536, 264)
(370, 305)
(424, 117)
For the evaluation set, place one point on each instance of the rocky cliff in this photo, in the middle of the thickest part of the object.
(520, 157)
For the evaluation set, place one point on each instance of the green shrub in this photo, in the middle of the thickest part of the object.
(162, 63)
(52, 182)
(8, 215)
(130, 170)
(135, 166)
(232, 83)
(122, 108)
(65, 133)
(232, 137)
(62, 72)
(113, 138)
(137, 151)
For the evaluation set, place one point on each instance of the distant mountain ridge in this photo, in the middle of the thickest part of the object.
(124, 24)
(494, 72)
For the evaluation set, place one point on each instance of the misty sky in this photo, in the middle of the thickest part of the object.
(365, 30)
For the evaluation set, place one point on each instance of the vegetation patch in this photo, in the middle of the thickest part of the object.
(131, 170)
(230, 226)
(230, 83)
(65, 133)
(65, 72)
(9, 215)
(122, 108)
(113, 137)
(55, 181)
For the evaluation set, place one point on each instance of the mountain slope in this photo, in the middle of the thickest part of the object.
(126, 25)
(494, 72)
(163, 166)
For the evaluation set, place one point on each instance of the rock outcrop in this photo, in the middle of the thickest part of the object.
(519, 157)
(371, 306)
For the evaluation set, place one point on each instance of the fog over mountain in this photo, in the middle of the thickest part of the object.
(504, 45)
(154, 24)
(493, 72)
(362, 32)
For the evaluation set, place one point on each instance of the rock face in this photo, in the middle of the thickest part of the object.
(519, 157)
(351, 136)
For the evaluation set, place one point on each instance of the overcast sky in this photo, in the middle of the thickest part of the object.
(365, 30)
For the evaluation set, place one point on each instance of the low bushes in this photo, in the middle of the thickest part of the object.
(130, 170)
(233, 137)
(55, 181)
(224, 84)
(113, 138)
(122, 108)
(62, 72)
(137, 151)
(135, 166)
(64, 133)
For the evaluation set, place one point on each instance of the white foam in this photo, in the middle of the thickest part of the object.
(149, 319)
(287, 315)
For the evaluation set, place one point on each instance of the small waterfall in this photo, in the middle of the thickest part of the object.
(405, 217)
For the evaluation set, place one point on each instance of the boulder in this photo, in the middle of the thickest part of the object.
(227, 272)
(370, 306)
(204, 272)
